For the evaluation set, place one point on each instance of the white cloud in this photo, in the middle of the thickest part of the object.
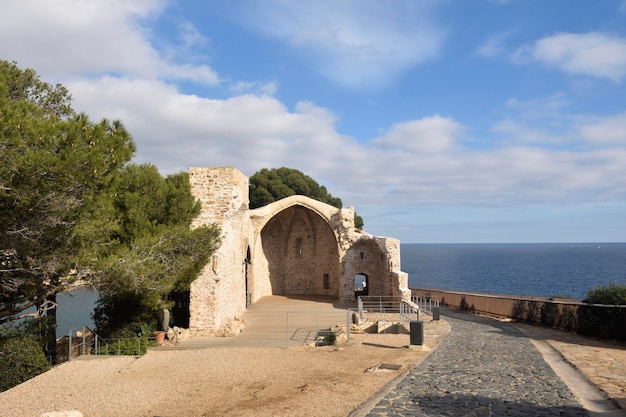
(104, 52)
(417, 162)
(190, 35)
(255, 87)
(607, 130)
(175, 131)
(494, 45)
(548, 110)
(543, 105)
(430, 135)
(594, 54)
(516, 132)
(61, 38)
(353, 43)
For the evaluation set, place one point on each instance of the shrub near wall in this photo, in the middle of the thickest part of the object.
(604, 315)
(586, 318)
(22, 359)
(547, 313)
(607, 322)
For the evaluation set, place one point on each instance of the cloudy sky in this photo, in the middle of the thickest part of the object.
(439, 120)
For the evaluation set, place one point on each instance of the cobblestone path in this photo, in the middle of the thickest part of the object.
(482, 368)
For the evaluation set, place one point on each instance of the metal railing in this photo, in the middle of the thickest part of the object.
(426, 304)
(378, 304)
(85, 341)
(409, 310)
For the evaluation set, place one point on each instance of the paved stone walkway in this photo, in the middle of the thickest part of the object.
(482, 368)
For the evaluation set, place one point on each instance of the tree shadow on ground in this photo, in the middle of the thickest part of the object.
(533, 331)
(462, 405)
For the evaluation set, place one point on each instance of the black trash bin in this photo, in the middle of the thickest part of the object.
(435, 313)
(417, 332)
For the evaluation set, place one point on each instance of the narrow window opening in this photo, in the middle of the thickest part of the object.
(326, 282)
(362, 255)
(299, 246)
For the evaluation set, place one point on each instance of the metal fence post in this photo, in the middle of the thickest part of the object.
(287, 329)
(348, 325)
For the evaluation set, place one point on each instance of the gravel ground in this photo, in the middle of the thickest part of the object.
(311, 381)
(328, 381)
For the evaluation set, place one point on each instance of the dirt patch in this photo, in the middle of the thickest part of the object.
(312, 381)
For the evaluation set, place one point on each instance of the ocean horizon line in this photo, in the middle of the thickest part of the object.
(515, 243)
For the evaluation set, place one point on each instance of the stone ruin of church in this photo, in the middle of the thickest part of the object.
(294, 246)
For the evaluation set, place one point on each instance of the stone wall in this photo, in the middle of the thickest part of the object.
(294, 246)
(218, 294)
(379, 259)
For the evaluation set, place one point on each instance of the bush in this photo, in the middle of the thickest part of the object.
(606, 322)
(129, 342)
(330, 338)
(549, 314)
(613, 294)
(22, 359)
(136, 346)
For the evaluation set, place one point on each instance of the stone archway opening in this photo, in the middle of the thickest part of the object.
(180, 310)
(360, 285)
(302, 254)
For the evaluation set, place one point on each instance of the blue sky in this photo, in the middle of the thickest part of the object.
(440, 121)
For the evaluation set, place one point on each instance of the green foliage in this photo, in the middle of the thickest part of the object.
(135, 346)
(22, 359)
(606, 322)
(613, 294)
(270, 185)
(330, 338)
(358, 222)
(122, 314)
(127, 342)
(150, 250)
(549, 314)
(53, 164)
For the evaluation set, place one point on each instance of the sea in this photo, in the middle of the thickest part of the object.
(543, 269)
(539, 269)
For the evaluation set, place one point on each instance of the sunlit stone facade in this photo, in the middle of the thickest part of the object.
(295, 246)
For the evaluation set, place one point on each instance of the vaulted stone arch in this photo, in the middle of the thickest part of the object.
(301, 252)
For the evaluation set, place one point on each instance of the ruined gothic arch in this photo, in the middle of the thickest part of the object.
(293, 246)
(301, 252)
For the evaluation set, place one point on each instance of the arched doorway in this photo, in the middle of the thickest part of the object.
(180, 310)
(360, 285)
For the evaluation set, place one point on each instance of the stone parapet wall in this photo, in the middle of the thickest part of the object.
(499, 305)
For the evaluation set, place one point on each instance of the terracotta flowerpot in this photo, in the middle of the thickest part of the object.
(160, 337)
